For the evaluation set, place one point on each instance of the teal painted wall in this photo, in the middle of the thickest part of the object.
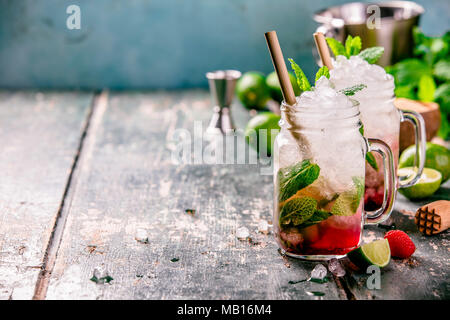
(157, 43)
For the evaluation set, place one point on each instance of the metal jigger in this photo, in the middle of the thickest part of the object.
(221, 86)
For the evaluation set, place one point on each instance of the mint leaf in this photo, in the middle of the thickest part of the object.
(370, 158)
(323, 72)
(408, 72)
(350, 91)
(298, 210)
(302, 81)
(441, 70)
(371, 55)
(102, 280)
(348, 202)
(359, 184)
(405, 92)
(427, 87)
(317, 217)
(352, 46)
(296, 177)
(442, 96)
(336, 47)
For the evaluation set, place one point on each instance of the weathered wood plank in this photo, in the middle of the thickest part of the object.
(426, 275)
(39, 136)
(126, 181)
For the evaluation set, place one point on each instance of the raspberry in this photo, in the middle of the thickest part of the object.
(400, 243)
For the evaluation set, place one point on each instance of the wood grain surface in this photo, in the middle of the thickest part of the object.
(39, 136)
(125, 183)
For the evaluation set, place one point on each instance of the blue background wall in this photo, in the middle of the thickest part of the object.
(157, 43)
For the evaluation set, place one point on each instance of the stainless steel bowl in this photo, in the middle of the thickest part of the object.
(397, 19)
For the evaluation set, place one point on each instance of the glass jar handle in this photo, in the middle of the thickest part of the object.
(381, 214)
(420, 143)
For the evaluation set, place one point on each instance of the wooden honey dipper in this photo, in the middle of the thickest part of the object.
(434, 217)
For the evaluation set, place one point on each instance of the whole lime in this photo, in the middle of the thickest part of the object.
(274, 86)
(437, 157)
(264, 125)
(252, 90)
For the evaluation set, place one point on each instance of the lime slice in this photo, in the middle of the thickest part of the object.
(375, 253)
(428, 183)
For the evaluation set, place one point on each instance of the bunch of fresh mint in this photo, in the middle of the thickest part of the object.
(353, 48)
(426, 76)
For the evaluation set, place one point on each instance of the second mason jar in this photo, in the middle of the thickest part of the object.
(381, 120)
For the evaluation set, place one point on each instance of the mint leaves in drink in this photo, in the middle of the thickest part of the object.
(353, 48)
(296, 177)
(317, 217)
(302, 80)
(350, 91)
(347, 202)
(370, 158)
(304, 209)
(298, 210)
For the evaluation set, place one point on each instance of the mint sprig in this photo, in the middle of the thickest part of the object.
(371, 55)
(336, 47)
(352, 46)
(350, 91)
(323, 72)
(302, 81)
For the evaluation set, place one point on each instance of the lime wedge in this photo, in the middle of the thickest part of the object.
(375, 253)
(428, 183)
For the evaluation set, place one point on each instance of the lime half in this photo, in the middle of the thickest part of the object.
(375, 253)
(428, 183)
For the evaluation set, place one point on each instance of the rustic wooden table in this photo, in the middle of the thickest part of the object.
(83, 172)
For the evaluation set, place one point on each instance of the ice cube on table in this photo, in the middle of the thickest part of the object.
(242, 233)
(263, 226)
(319, 272)
(141, 235)
(335, 267)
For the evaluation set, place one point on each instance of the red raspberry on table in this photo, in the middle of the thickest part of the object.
(400, 243)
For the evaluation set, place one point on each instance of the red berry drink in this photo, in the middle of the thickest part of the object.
(319, 169)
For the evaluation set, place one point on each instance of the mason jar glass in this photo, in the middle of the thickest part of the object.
(381, 120)
(319, 172)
